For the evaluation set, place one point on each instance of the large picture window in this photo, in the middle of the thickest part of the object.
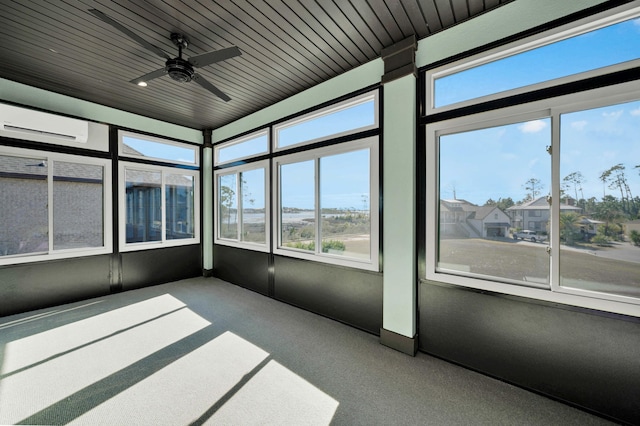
(540, 199)
(327, 204)
(159, 204)
(160, 207)
(562, 177)
(242, 206)
(52, 206)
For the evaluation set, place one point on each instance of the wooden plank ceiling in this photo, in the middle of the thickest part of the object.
(287, 46)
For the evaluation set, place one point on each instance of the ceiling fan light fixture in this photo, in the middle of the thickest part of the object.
(142, 84)
(179, 70)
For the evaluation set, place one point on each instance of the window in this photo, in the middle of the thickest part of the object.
(585, 49)
(327, 204)
(600, 161)
(585, 244)
(562, 168)
(504, 167)
(355, 115)
(242, 206)
(52, 206)
(242, 148)
(149, 148)
(160, 206)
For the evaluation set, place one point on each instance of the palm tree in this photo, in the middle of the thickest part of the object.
(569, 227)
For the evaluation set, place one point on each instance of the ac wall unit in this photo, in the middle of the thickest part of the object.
(41, 125)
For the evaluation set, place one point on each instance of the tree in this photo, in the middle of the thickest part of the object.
(227, 198)
(576, 179)
(569, 227)
(607, 210)
(534, 187)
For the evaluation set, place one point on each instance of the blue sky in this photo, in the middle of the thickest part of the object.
(606, 46)
(497, 162)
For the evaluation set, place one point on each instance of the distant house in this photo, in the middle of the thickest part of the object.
(464, 219)
(534, 215)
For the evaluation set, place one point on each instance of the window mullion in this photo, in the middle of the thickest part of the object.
(554, 237)
(317, 206)
(50, 229)
(163, 206)
(239, 206)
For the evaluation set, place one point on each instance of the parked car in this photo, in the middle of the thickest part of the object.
(528, 235)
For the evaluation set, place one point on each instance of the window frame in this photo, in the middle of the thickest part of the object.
(236, 170)
(575, 28)
(371, 143)
(239, 141)
(107, 218)
(339, 106)
(123, 166)
(553, 108)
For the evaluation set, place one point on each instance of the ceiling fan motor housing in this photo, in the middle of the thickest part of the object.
(179, 70)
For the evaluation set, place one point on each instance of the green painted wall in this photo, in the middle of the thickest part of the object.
(11, 91)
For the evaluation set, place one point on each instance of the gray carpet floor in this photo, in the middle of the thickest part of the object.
(202, 351)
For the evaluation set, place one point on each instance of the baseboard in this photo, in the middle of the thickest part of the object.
(404, 344)
(207, 273)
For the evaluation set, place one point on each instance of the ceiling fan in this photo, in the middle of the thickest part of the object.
(179, 69)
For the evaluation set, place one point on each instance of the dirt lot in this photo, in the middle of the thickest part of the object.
(592, 269)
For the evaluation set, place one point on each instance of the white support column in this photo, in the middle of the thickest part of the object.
(399, 196)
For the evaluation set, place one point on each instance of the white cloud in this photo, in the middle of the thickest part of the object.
(635, 112)
(579, 125)
(532, 126)
(613, 114)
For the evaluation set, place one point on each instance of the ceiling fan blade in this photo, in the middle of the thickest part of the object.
(215, 56)
(129, 33)
(210, 87)
(150, 76)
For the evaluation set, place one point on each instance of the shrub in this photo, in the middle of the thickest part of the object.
(326, 245)
(600, 240)
(635, 237)
(333, 245)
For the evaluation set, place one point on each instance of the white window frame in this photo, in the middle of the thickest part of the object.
(575, 28)
(122, 214)
(266, 247)
(52, 253)
(370, 143)
(124, 133)
(254, 135)
(357, 100)
(553, 108)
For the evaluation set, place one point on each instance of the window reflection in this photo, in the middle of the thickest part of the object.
(179, 206)
(23, 205)
(143, 206)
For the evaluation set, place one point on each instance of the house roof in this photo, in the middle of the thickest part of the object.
(287, 46)
(541, 203)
